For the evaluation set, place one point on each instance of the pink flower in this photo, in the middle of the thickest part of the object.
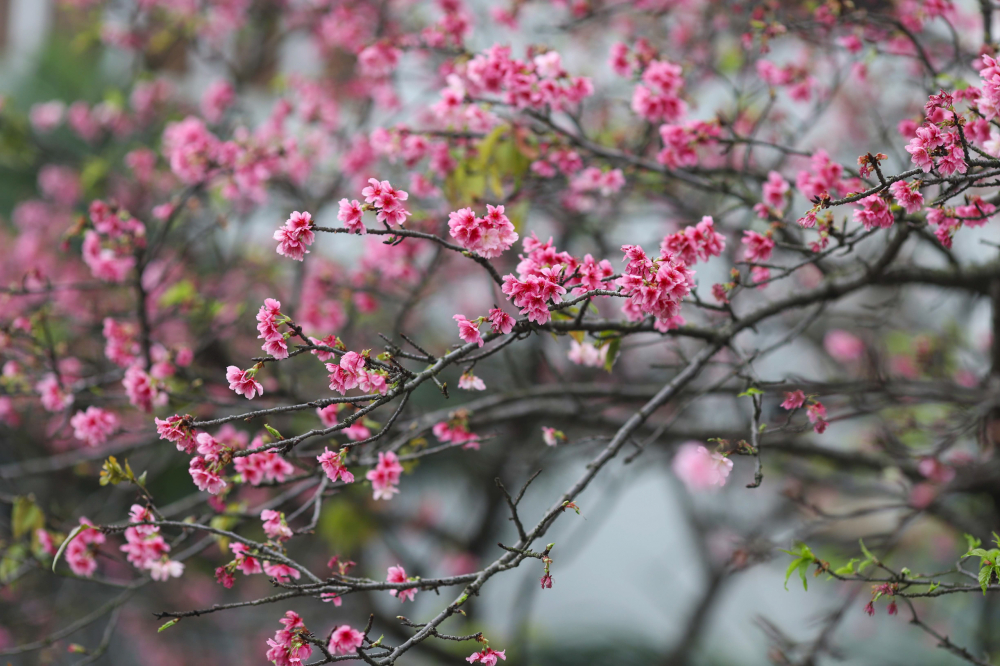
(174, 430)
(694, 243)
(843, 346)
(288, 648)
(345, 640)
(699, 468)
(46, 117)
(775, 190)
(398, 575)
(387, 201)
(586, 354)
(190, 149)
(501, 321)
(205, 476)
(282, 572)
(350, 214)
(817, 416)
(935, 470)
(794, 400)
(275, 526)
(243, 382)
(94, 425)
(907, 195)
(489, 236)
(218, 97)
(468, 330)
(333, 464)
(551, 436)
(654, 287)
(471, 382)
(80, 551)
(874, 212)
(385, 475)
(246, 563)
(142, 391)
(54, 398)
(295, 236)
(546, 581)
(758, 247)
(487, 657)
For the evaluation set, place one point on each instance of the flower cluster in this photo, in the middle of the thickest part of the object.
(397, 574)
(489, 236)
(93, 426)
(295, 236)
(80, 553)
(146, 549)
(351, 373)
(288, 647)
(385, 475)
(456, 431)
(269, 320)
(654, 286)
(694, 243)
(333, 464)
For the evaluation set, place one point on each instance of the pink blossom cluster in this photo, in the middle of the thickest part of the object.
(825, 178)
(700, 469)
(456, 431)
(267, 466)
(54, 396)
(874, 213)
(288, 647)
(80, 552)
(680, 142)
(295, 236)
(206, 468)
(93, 426)
(774, 193)
(532, 84)
(385, 475)
(146, 549)
(269, 320)
(120, 344)
(333, 465)
(694, 243)
(275, 526)
(144, 391)
(930, 144)
(586, 354)
(351, 373)
(657, 98)
(654, 286)
(387, 202)
(795, 78)
(489, 236)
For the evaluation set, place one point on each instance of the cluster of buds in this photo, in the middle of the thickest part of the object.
(878, 591)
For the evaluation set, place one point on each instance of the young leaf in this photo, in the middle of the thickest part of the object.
(168, 624)
(62, 547)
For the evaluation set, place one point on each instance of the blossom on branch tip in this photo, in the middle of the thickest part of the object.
(243, 382)
(487, 656)
(333, 464)
(295, 235)
(385, 475)
(469, 330)
(398, 575)
(699, 468)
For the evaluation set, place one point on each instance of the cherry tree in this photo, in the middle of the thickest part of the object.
(279, 273)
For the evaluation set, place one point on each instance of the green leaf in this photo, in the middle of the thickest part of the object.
(274, 433)
(167, 625)
(847, 569)
(613, 348)
(26, 516)
(866, 552)
(984, 577)
(933, 586)
(753, 390)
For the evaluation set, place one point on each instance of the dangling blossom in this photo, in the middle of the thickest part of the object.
(469, 330)
(586, 354)
(333, 464)
(793, 400)
(817, 416)
(385, 476)
(471, 382)
(487, 656)
(275, 526)
(350, 214)
(699, 468)
(175, 429)
(243, 382)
